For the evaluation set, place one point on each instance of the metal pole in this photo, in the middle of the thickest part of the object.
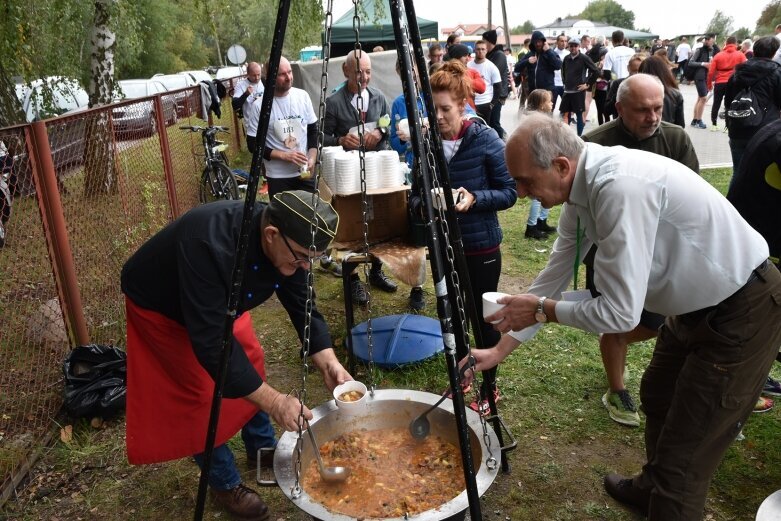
(490, 14)
(453, 229)
(165, 153)
(454, 342)
(241, 249)
(60, 253)
(506, 28)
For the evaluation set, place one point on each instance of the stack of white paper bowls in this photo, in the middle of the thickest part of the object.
(328, 165)
(347, 173)
(389, 168)
(373, 172)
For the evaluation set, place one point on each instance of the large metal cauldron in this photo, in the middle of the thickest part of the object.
(388, 408)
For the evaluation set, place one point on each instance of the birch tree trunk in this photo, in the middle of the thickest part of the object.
(99, 166)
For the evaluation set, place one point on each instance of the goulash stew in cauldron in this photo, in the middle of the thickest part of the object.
(392, 474)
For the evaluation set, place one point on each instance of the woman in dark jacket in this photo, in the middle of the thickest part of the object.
(475, 156)
(673, 99)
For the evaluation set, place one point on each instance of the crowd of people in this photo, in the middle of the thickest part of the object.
(633, 208)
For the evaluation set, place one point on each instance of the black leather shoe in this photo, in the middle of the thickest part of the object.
(359, 292)
(542, 225)
(532, 232)
(623, 490)
(416, 300)
(379, 280)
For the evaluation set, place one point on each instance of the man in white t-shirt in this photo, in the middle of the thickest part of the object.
(290, 150)
(683, 51)
(247, 97)
(291, 143)
(617, 58)
(484, 103)
(558, 85)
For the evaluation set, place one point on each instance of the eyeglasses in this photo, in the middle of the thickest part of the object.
(302, 260)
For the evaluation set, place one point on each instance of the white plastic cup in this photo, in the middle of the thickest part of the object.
(490, 304)
(438, 197)
(404, 126)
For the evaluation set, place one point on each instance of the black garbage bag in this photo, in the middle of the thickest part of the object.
(95, 381)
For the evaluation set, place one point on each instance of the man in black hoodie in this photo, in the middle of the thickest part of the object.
(539, 62)
(763, 75)
(498, 58)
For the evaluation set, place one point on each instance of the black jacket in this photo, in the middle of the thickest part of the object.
(672, 111)
(703, 55)
(578, 70)
(184, 273)
(500, 60)
(764, 77)
(752, 192)
(540, 73)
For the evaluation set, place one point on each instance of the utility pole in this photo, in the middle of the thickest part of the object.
(490, 2)
(506, 28)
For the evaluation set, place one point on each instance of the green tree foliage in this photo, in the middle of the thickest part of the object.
(610, 12)
(769, 18)
(526, 28)
(52, 37)
(38, 39)
(720, 25)
(742, 33)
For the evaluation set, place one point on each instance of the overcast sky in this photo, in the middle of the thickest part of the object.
(664, 17)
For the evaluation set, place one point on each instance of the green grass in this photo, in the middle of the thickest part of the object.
(551, 390)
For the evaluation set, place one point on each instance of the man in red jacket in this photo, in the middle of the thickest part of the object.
(721, 68)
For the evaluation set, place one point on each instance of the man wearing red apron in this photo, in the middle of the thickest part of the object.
(177, 287)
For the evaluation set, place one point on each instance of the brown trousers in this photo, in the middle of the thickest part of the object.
(707, 372)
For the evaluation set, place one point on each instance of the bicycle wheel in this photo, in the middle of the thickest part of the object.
(218, 183)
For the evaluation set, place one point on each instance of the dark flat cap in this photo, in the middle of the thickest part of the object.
(292, 212)
(490, 36)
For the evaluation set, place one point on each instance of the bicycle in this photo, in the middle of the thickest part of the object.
(217, 182)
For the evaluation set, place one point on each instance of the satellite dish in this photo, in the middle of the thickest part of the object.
(237, 54)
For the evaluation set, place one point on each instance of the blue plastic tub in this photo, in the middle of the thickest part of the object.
(398, 340)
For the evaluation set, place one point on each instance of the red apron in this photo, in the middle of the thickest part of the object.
(169, 393)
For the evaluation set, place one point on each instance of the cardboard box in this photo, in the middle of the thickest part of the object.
(387, 214)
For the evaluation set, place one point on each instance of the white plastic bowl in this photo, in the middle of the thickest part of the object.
(350, 407)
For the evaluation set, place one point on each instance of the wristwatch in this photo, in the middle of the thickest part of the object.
(540, 315)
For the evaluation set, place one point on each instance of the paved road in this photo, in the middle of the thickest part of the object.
(712, 147)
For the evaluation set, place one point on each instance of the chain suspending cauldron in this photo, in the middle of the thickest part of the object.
(388, 408)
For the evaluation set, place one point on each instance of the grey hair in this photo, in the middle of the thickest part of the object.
(600, 39)
(628, 82)
(547, 138)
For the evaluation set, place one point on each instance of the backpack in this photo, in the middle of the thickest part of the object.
(745, 112)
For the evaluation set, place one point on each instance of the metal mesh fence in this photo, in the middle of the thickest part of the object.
(87, 189)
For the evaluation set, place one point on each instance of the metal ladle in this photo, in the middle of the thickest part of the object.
(420, 427)
(328, 474)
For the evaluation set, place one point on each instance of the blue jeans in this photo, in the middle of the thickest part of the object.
(556, 93)
(580, 123)
(257, 433)
(536, 211)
